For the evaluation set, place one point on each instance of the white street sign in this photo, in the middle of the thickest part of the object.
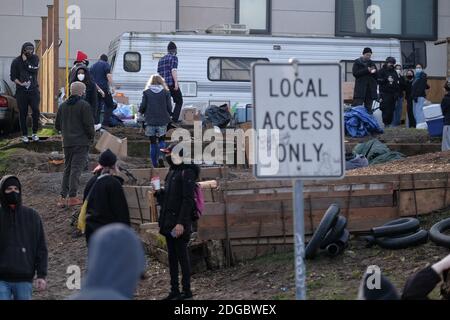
(304, 102)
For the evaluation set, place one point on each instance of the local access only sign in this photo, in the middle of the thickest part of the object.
(298, 121)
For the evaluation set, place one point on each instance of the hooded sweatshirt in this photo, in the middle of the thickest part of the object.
(75, 120)
(25, 70)
(91, 90)
(116, 260)
(23, 249)
(156, 106)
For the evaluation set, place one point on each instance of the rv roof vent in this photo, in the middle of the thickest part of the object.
(228, 28)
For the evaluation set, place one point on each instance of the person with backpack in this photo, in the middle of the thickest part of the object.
(177, 214)
(106, 201)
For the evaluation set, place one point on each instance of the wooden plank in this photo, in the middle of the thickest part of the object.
(145, 175)
(427, 201)
(241, 226)
(273, 205)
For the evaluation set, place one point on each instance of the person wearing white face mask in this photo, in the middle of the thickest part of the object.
(419, 94)
(82, 74)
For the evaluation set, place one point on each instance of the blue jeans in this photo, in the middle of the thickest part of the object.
(418, 110)
(16, 290)
(398, 112)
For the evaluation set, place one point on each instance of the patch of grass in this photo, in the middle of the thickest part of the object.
(47, 132)
(5, 159)
(283, 296)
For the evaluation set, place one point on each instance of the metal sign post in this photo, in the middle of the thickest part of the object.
(299, 234)
(299, 133)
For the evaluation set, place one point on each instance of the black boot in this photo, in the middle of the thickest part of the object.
(186, 295)
(173, 295)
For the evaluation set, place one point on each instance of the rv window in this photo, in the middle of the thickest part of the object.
(132, 62)
(231, 69)
(113, 61)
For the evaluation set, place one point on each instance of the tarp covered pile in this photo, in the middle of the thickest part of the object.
(359, 123)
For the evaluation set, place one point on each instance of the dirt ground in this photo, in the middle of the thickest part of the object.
(270, 277)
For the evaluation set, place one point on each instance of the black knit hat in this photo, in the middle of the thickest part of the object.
(107, 159)
(171, 47)
(11, 181)
(367, 50)
(391, 60)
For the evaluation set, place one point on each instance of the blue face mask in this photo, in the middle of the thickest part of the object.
(419, 71)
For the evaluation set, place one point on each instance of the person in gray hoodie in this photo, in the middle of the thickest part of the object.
(116, 263)
(156, 107)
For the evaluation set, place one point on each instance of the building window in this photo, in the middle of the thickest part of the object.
(256, 14)
(132, 62)
(231, 69)
(413, 52)
(403, 19)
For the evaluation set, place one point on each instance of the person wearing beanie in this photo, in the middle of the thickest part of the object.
(389, 82)
(445, 106)
(176, 218)
(156, 107)
(106, 201)
(24, 72)
(365, 73)
(74, 120)
(168, 70)
(23, 254)
(375, 286)
(102, 77)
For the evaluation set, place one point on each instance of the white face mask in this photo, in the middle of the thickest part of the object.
(80, 77)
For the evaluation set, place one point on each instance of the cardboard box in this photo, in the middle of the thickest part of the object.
(108, 141)
(189, 115)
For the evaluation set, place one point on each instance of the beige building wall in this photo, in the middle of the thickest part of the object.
(101, 21)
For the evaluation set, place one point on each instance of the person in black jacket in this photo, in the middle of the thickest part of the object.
(389, 82)
(23, 249)
(24, 71)
(81, 74)
(177, 202)
(106, 199)
(409, 78)
(419, 94)
(365, 71)
(422, 283)
(445, 106)
(156, 107)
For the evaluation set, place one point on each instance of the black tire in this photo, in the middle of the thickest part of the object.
(369, 240)
(327, 222)
(335, 233)
(437, 233)
(343, 239)
(418, 238)
(336, 248)
(396, 227)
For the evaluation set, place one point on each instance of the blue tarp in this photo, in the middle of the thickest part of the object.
(359, 123)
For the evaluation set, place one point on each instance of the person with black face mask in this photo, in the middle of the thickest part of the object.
(409, 79)
(389, 82)
(23, 249)
(24, 72)
(177, 201)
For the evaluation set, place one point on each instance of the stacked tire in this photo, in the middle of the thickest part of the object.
(331, 234)
(437, 233)
(398, 234)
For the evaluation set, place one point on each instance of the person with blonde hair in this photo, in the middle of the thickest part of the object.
(156, 107)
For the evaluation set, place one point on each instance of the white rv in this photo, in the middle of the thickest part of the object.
(215, 69)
